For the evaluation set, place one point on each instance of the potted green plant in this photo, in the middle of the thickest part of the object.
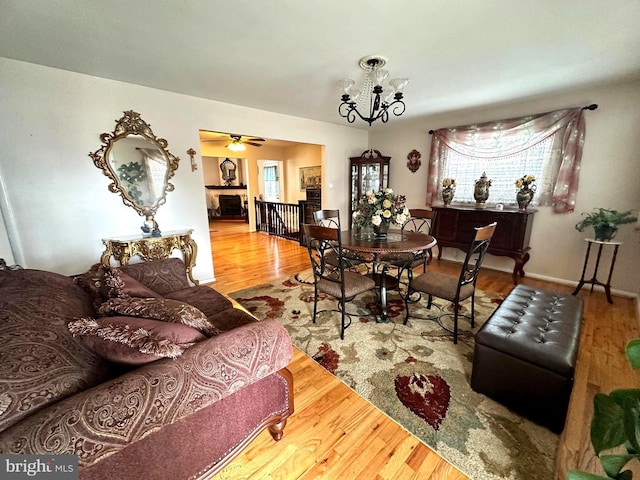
(605, 222)
(615, 427)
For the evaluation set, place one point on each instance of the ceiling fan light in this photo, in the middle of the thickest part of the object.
(236, 147)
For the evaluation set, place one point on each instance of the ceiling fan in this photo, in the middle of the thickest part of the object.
(237, 142)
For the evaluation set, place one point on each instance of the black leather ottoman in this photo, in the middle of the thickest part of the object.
(525, 354)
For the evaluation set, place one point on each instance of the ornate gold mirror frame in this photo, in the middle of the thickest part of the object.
(228, 171)
(139, 166)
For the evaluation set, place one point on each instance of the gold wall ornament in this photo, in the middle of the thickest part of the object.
(138, 164)
(152, 248)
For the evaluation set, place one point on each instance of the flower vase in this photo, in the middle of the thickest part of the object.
(381, 230)
(524, 197)
(447, 195)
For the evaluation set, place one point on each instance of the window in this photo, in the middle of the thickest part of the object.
(502, 172)
(271, 183)
(547, 146)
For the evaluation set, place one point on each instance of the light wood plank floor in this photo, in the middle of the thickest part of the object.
(336, 434)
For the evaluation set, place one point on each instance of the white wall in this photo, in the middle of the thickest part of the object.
(60, 207)
(297, 157)
(5, 247)
(610, 177)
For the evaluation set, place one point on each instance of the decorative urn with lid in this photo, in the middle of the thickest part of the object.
(481, 190)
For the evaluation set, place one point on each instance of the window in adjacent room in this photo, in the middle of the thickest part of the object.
(271, 182)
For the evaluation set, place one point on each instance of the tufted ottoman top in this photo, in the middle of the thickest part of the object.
(536, 326)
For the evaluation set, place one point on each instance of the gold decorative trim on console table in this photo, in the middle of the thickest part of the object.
(152, 248)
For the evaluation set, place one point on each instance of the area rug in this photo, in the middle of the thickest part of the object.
(415, 374)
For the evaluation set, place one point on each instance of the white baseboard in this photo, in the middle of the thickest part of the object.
(572, 283)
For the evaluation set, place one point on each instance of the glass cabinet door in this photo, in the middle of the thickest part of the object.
(371, 177)
(355, 175)
(370, 171)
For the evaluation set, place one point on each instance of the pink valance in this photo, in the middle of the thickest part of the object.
(504, 138)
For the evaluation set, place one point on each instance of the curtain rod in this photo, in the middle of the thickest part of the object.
(593, 106)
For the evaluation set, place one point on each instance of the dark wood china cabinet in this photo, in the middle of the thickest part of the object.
(311, 204)
(369, 171)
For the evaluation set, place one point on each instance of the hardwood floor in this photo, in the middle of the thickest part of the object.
(336, 434)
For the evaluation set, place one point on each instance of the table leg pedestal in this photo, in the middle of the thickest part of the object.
(384, 283)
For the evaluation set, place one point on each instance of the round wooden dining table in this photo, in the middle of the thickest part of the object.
(368, 246)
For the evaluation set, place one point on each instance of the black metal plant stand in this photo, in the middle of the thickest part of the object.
(594, 281)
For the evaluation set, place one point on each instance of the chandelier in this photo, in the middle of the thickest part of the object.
(372, 101)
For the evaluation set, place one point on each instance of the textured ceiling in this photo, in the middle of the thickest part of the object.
(286, 56)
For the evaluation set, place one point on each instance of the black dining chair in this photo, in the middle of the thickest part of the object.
(420, 221)
(454, 288)
(331, 219)
(327, 218)
(334, 280)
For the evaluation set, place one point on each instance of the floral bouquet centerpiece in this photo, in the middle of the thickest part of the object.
(448, 190)
(381, 209)
(526, 189)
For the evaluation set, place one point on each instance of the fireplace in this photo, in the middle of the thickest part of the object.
(230, 205)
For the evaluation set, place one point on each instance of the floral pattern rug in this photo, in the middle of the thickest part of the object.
(415, 374)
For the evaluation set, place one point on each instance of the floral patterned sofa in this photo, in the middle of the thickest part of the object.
(171, 388)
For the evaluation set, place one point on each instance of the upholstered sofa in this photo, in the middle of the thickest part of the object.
(152, 400)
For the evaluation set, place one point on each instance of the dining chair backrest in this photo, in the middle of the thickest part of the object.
(320, 242)
(475, 255)
(421, 220)
(331, 219)
(327, 218)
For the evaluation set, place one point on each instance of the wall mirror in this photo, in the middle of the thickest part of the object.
(228, 171)
(138, 164)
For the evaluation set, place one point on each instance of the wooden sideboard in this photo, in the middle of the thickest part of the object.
(152, 248)
(454, 226)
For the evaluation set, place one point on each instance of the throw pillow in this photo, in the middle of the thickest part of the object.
(92, 281)
(163, 276)
(118, 284)
(134, 341)
(162, 309)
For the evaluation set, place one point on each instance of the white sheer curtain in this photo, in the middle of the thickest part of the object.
(547, 145)
(271, 184)
(156, 166)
